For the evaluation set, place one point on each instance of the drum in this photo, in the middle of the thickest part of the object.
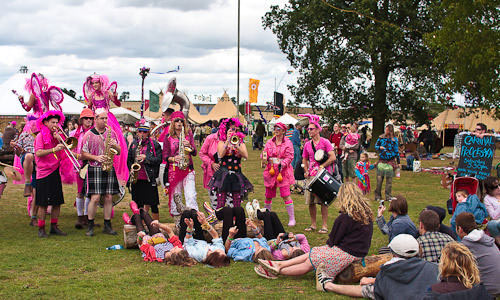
(324, 186)
(320, 156)
(117, 198)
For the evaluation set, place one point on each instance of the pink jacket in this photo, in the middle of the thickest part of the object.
(207, 153)
(284, 152)
(304, 245)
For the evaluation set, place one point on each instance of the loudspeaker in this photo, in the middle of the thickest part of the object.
(278, 102)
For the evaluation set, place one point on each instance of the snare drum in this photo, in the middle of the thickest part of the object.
(324, 186)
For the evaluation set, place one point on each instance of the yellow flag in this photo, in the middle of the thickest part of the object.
(253, 90)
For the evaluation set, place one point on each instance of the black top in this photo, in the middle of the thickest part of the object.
(351, 236)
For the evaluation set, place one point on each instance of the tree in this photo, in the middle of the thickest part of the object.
(466, 42)
(124, 96)
(360, 58)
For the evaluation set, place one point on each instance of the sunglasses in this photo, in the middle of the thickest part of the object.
(311, 128)
(479, 129)
(87, 118)
(177, 120)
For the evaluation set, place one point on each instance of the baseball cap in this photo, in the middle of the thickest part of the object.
(404, 245)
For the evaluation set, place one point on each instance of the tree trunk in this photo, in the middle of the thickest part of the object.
(379, 113)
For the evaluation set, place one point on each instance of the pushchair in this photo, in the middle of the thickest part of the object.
(470, 184)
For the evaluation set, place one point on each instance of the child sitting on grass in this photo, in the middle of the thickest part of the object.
(468, 203)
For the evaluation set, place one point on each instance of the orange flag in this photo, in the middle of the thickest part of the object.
(253, 90)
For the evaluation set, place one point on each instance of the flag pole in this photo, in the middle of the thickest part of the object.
(143, 72)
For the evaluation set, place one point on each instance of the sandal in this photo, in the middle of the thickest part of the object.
(323, 231)
(264, 273)
(310, 228)
(269, 266)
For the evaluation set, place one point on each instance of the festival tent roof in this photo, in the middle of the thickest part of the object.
(127, 116)
(10, 106)
(285, 119)
(225, 108)
(467, 117)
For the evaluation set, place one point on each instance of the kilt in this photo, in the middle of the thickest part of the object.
(49, 190)
(144, 193)
(100, 182)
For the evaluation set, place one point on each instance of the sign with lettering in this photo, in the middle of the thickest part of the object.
(476, 156)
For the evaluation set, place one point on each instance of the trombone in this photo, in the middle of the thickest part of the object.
(70, 143)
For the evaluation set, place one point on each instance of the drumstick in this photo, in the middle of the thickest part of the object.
(6, 165)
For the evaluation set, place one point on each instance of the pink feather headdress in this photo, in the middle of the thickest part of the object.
(313, 119)
(47, 136)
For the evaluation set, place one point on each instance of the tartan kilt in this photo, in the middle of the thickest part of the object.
(100, 182)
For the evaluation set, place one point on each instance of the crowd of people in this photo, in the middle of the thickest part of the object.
(101, 157)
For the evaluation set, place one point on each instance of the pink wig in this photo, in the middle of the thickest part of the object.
(224, 126)
(313, 119)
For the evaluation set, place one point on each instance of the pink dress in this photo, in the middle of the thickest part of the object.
(207, 155)
(363, 168)
(279, 155)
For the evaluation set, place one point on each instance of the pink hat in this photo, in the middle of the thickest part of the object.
(313, 119)
(177, 115)
(280, 125)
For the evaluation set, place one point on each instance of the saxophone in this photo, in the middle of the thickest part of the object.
(109, 152)
(183, 151)
(135, 167)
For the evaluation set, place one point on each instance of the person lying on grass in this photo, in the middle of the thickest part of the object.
(212, 254)
(155, 246)
(348, 241)
(245, 248)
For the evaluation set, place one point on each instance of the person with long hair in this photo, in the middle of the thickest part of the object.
(349, 239)
(459, 275)
(278, 173)
(86, 123)
(492, 204)
(99, 93)
(181, 175)
(229, 177)
(387, 147)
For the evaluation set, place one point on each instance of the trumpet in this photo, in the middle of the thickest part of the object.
(235, 140)
(69, 144)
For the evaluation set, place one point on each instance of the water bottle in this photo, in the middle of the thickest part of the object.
(115, 247)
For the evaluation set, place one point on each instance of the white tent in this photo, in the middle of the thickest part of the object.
(285, 119)
(127, 116)
(10, 106)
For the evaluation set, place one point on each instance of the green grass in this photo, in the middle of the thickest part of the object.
(77, 266)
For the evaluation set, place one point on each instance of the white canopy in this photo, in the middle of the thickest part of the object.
(10, 106)
(127, 116)
(285, 119)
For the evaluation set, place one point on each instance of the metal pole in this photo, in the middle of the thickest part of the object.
(238, 77)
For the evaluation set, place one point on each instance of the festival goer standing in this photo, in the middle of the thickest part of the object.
(335, 138)
(210, 164)
(82, 202)
(148, 154)
(296, 142)
(312, 167)
(229, 178)
(181, 169)
(101, 181)
(99, 93)
(260, 131)
(48, 160)
(277, 157)
(388, 152)
(350, 146)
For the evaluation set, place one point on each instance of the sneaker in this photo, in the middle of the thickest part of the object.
(322, 278)
(134, 207)
(126, 218)
(251, 213)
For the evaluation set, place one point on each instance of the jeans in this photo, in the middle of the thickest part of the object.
(388, 187)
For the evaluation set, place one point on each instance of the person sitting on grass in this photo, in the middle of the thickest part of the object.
(405, 276)
(484, 249)
(430, 240)
(349, 240)
(459, 275)
(492, 204)
(468, 203)
(399, 222)
(154, 245)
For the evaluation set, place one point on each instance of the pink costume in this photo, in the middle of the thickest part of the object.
(207, 154)
(309, 155)
(362, 168)
(279, 158)
(79, 133)
(100, 99)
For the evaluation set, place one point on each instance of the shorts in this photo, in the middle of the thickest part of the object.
(284, 192)
(368, 291)
(311, 198)
(348, 168)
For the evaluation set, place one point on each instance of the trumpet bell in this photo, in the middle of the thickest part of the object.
(235, 140)
(72, 142)
(135, 167)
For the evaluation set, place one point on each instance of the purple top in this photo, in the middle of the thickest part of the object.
(309, 155)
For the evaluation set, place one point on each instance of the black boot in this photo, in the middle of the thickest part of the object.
(55, 230)
(80, 222)
(90, 230)
(41, 232)
(107, 228)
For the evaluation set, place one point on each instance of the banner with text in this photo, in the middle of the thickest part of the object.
(476, 156)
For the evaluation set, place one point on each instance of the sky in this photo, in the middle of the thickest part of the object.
(70, 40)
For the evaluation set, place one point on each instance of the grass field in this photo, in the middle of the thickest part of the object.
(77, 266)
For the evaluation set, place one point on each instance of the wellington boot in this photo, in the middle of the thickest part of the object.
(80, 223)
